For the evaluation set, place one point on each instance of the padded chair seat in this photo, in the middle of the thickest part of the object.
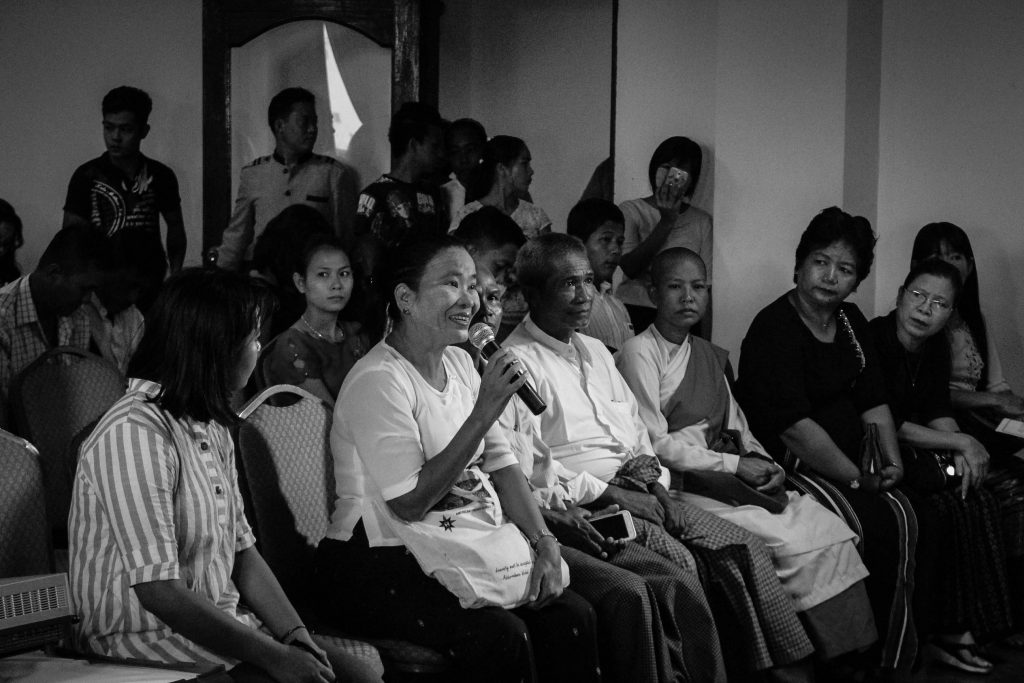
(360, 649)
(411, 657)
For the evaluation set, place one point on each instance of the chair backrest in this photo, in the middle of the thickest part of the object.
(286, 459)
(54, 398)
(24, 533)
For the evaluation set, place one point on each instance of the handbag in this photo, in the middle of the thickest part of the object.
(927, 470)
(465, 543)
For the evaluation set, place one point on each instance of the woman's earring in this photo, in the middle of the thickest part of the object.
(405, 311)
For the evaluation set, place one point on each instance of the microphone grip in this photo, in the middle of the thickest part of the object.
(526, 392)
(532, 400)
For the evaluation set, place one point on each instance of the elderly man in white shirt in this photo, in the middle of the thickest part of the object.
(591, 438)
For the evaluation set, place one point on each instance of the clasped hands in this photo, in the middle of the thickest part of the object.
(761, 474)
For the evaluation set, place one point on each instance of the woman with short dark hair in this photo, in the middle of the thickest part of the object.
(663, 220)
(810, 385)
(163, 561)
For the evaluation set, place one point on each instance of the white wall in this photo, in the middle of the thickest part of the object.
(904, 111)
(538, 70)
(58, 60)
(761, 86)
(665, 86)
(952, 148)
(780, 117)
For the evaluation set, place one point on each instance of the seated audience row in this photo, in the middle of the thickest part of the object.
(785, 522)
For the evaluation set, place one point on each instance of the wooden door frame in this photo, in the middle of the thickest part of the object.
(410, 28)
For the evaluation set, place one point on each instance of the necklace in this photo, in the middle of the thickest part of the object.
(320, 335)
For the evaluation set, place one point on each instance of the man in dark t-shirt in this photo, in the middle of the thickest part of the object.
(123, 189)
(403, 201)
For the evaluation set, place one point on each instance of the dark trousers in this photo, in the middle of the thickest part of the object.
(382, 593)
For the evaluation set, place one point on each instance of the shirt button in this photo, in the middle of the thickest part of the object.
(287, 193)
(285, 171)
(203, 446)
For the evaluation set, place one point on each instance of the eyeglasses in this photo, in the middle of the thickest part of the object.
(917, 298)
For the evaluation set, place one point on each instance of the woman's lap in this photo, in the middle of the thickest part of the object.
(383, 593)
(896, 550)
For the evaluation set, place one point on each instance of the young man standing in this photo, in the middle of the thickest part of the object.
(402, 201)
(464, 143)
(599, 224)
(293, 174)
(123, 189)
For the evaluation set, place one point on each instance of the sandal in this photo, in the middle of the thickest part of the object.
(962, 656)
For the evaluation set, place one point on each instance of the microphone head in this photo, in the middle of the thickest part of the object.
(480, 334)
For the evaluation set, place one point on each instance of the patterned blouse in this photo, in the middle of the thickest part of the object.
(967, 368)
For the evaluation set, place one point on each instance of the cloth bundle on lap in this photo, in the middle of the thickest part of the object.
(467, 545)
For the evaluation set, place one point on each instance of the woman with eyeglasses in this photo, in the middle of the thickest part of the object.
(970, 582)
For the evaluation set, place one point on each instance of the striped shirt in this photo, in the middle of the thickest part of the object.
(155, 499)
(22, 339)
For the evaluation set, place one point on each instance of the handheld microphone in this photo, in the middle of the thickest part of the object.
(482, 337)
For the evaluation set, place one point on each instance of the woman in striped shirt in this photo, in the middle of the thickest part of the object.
(162, 558)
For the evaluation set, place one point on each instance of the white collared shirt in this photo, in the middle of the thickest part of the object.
(591, 425)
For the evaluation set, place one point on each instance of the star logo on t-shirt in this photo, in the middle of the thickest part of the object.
(447, 523)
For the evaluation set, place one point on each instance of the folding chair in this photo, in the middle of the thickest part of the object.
(285, 453)
(54, 399)
(24, 534)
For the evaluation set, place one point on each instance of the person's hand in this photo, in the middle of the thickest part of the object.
(642, 505)
(668, 199)
(675, 516)
(546, 577)
(293, 664)
(573, 528)
(760, 474)
(304, 639)
(869, 483)
(1010, 405)
(776, 483)
(971, 462)
(498, 383)
(890, 475)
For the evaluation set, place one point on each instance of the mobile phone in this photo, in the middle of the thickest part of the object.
(618, 525)
(676, 177)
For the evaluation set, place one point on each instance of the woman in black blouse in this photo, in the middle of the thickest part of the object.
(971, 582)
(810, 386)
